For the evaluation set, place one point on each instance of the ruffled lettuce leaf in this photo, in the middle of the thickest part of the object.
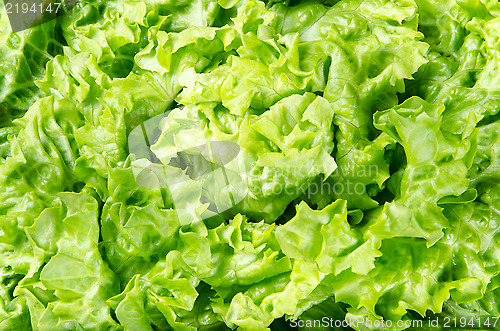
(24, 55)
(436, 167)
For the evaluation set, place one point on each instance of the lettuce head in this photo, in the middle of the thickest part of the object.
(251, 165)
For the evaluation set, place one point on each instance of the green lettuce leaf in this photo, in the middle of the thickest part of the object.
(24, 55)
(243, 164)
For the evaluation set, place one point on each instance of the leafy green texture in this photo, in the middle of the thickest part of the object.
(246, 164)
